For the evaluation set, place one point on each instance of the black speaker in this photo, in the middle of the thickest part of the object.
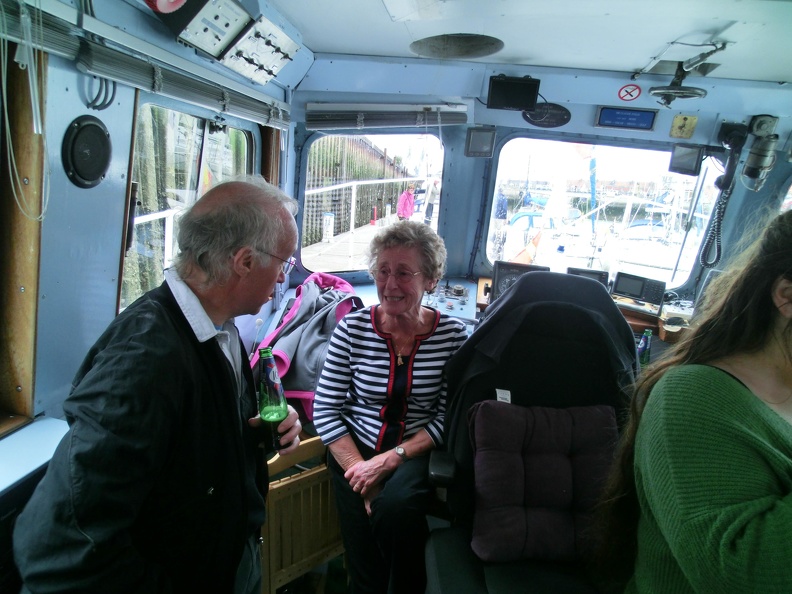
(511, 92)
(86, 151)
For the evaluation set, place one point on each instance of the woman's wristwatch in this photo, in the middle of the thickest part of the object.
(402, 454)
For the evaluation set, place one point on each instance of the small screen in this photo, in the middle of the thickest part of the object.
(686, 159)
(510, 92)
(637, 293)
(630, 286)
(629, 119)
(480, 142)
(597, 275)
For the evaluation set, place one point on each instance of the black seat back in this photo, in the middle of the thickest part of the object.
(554, 340)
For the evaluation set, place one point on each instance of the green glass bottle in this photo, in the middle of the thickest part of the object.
(645, 347)
(272, 402)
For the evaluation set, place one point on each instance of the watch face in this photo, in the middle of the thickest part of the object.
(505, 274)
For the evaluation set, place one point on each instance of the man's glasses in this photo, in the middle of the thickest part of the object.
(403, 277)
(287, 266)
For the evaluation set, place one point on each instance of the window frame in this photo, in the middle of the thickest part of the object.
(209, 119)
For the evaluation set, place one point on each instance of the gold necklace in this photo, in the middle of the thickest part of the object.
(386, 327)
(399, 360)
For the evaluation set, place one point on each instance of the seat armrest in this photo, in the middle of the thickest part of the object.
(442, 468)
(309, 448)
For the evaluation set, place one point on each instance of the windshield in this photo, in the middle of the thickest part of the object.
(562, 205)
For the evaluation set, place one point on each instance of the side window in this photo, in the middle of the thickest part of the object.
(787, 203)
(177, 157)
(353, 187)
(562, 205)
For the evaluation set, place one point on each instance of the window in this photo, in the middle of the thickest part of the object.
(640, 219)
(787, 202)
(177, 157)
(352, 189)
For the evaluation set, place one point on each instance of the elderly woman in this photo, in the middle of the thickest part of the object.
(379, 407)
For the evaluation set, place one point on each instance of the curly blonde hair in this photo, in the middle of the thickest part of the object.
(411, 234)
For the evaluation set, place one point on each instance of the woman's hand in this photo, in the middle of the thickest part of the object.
(365, 475)
(369, 497)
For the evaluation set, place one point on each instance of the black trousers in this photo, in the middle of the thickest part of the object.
(385, 551)
(248, 578)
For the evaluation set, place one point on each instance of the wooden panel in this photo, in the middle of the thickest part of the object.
(640, 321)
(270, 166)
(309, 448)
(302, 529)
(482, 300)
(20, 240)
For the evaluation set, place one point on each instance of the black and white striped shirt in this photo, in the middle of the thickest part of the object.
(357, 380)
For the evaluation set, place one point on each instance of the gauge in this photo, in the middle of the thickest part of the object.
(507, 281)
(505, 274)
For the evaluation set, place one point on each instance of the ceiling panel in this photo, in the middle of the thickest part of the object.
(613, 35)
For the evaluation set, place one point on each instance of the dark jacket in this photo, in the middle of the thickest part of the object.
(152, 489)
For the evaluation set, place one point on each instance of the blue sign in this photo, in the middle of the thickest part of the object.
(626, 118)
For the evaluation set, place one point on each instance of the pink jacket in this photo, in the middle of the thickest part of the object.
(405, 206)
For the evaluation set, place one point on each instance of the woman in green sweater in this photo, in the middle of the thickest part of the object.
(701, 497)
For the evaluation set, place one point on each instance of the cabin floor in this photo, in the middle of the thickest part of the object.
(329, 578)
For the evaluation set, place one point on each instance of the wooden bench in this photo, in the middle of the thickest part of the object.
(302, 529)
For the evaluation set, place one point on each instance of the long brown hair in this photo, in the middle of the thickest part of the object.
(737, 316)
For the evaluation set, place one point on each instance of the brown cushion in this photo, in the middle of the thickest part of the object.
(538, 474)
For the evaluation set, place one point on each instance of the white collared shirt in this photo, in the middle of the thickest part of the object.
(227, 335)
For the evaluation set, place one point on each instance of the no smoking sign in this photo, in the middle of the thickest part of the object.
(629, 92)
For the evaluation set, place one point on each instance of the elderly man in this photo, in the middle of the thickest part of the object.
(159, 484)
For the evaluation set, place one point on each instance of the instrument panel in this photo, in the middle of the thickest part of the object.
(505, 274)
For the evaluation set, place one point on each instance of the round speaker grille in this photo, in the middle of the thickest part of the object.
(86, 151)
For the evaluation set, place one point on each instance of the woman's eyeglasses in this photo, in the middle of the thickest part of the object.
(287, 266)
(403, 277)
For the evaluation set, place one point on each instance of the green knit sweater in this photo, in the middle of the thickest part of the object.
(713, 470)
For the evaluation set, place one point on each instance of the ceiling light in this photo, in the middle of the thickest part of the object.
(456, 46)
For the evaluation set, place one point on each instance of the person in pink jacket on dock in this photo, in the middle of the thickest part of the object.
(404, 209)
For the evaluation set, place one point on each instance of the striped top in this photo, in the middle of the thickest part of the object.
(358, 380)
